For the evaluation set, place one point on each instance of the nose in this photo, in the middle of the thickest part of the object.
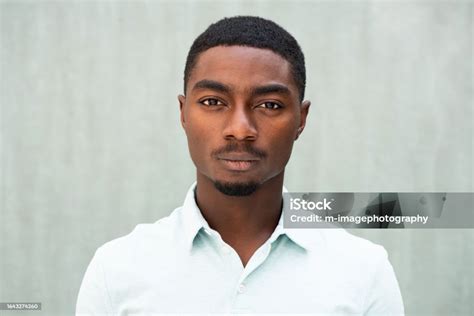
(239, 125)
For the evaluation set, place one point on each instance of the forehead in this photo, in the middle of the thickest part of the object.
(242, 67)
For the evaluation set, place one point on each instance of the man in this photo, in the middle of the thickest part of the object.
(225, 250)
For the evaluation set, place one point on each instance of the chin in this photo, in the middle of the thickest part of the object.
(236, 188)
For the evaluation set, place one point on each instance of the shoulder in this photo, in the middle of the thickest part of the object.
(336, 240)
(341, 239)
(118, 266)
(340, 249)
(343, 244)
(151, 237)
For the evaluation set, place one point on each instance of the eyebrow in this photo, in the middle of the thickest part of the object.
(211, 85)
(271, 88)
(261, 90)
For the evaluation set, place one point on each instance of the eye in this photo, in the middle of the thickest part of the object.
(270, 105)
(211, 102)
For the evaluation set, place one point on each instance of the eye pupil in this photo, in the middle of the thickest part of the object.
(270, 105)
(211, 102)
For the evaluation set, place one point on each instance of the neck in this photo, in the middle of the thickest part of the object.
(244, 222)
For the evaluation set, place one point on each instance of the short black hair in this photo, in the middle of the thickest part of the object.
(250, 31)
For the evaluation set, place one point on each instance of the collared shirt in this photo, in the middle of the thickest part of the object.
(181, 265)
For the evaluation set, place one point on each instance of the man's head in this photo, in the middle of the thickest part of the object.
(242, 109)
(250, 31)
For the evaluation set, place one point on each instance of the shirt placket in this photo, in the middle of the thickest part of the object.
(242, 298)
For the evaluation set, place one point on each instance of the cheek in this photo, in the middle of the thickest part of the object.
(199, 139)
(283, 147)
(195, 143)
(281, 138)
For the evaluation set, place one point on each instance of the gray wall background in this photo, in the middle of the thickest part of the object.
(91, 143)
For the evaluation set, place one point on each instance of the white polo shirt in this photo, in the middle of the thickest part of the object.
(180, 265)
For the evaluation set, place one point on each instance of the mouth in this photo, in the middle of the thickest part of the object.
(238, 162)
(239, 165)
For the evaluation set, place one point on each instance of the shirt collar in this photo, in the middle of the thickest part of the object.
(192, 218)
(193, 222)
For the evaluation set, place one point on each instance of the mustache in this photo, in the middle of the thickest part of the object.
(240, 148)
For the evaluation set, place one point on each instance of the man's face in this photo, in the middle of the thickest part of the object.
(241, 115)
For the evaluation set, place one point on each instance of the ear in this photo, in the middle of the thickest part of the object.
(182, 102)
(304, 108)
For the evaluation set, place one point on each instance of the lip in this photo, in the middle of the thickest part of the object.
(238, 162)
(239, 165)
(238, 156)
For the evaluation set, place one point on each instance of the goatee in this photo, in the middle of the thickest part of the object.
(236, 189)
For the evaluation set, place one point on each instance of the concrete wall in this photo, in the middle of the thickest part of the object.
(91, 143)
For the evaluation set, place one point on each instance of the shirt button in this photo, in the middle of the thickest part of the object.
(241, 288)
